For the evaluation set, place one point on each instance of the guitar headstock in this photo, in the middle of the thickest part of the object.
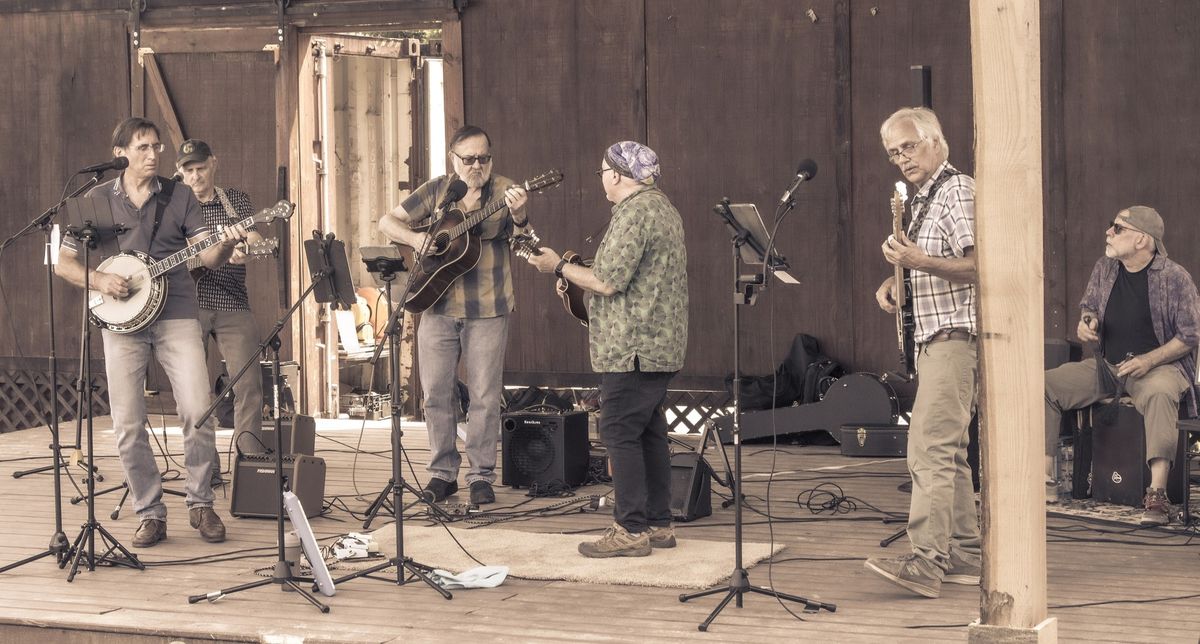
(525, 244)
(899, 196)
(543, 181)
(262, 248)
(283, 209)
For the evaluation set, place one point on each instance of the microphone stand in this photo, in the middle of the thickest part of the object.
(744, 294)
(59, 545)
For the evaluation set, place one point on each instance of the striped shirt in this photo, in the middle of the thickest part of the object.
(224, 288)
(485, 291)
(947, 229)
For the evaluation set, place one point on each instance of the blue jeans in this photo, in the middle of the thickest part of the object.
(479, 342)
(634, 430)
(237, 339)
(177, 346)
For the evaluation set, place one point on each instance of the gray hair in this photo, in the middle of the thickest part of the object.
(925, 122)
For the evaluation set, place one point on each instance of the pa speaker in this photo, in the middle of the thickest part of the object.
(299, 436)
(691, 489)
(544, 449)
(256, 493)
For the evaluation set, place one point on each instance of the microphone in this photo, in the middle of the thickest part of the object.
(178, 176)
(805, 172)
(456, 191)
(117, 163)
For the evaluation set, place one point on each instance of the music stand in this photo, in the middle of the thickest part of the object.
(330, 276)
(388, 268)
(745, 236)
(92, 226)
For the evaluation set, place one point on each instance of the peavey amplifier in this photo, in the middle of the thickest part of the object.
(874, 440)
(256, 493)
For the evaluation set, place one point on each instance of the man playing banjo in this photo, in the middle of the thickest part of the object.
(161, 218)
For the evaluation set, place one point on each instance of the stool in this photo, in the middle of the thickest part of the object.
(1119, 471)
(1186, 429)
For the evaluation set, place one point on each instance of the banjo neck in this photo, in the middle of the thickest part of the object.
(192, 250)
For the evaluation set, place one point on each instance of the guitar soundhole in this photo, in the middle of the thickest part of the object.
(440, 243)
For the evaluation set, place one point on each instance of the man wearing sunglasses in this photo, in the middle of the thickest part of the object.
(1143, 310)
(470, 321)
(939, 251)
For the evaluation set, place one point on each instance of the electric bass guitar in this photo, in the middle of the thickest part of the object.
(573, 296)
(453, 250)
(904, 307)
(148, 278)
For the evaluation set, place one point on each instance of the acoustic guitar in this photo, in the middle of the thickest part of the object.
(573, 296)
(904, 308)
(454, 250)
(148, 278)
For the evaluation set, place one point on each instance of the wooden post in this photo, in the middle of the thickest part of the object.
(1006, 66)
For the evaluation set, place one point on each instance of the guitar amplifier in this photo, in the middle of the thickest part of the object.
(874, 440)
(256, 494)
(544, 449)
(691, 489)
(299, 435)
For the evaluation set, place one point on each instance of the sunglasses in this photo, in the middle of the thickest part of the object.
(483, 159)
(1118, 229)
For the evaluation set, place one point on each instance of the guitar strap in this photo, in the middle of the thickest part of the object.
(922, 203)
(164, 198)
(229, 212)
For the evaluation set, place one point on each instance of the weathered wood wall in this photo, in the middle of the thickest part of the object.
(732, 94)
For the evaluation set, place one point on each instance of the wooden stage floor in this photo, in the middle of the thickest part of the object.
(1139, 571)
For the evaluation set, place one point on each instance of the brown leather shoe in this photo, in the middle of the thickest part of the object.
(150, 532)
(204, 519)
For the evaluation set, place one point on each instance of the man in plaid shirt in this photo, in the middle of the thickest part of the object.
(939, 252)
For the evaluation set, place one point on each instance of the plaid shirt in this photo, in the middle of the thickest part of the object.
(947, 229)
(1174, 307)
(485, 291)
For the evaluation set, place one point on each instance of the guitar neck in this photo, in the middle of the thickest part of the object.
(175, 259)
(474, 219)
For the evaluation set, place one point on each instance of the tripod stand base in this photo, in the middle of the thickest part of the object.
(739, 584)
(59, 547)
(281, 577)
(383, 504)
(83, 548)
(418, 570)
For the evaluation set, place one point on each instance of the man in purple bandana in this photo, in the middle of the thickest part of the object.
(1143, 310)
(637, 336)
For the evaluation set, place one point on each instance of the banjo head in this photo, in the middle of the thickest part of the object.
(146, 300)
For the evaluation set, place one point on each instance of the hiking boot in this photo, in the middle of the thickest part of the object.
(617, 542)
(482, 493)
(438, 489)
(208, 523)
(662, 536)
(1157, 506)
(908, 571)
(961, 572)
(150, 532)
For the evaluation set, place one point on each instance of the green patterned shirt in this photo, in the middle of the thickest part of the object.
(644, 258)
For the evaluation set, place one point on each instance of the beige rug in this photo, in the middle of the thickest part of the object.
(691, 564)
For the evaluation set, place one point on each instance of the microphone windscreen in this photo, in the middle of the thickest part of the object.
(808, 168)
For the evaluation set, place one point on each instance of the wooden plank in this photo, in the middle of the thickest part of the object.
(1006, 68)
(162, 100)
(1060, 305)
(192, 40)
(452, 80)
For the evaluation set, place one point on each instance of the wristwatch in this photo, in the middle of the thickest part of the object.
(559, 268)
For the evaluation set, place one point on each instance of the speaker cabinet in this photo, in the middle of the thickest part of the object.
(691, 487)
(544, 449)
(255, 492)
(299, 436)
(1119, 471)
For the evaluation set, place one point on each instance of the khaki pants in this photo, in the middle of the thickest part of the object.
(942, 515)
(1156, 395)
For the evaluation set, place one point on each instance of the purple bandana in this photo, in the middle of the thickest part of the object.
(633, 160)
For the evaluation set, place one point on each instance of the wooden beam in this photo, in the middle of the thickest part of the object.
(1054, 190)
(158, 90)
(192, 40)
(1006, 69)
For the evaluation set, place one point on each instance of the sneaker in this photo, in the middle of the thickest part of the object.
(662, 537)
(961, 572)
(204, 519)
(482, 493)
(1157, 505)
(908, 571)
(617, 542)
(438, 489)
(150, 532)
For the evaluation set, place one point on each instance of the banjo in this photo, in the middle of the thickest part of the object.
(148, 278)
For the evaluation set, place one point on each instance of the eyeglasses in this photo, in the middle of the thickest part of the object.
(601, 171)
(905, 150)
(146, 147)
(483, 159)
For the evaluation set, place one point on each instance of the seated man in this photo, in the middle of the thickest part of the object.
(1143, 310)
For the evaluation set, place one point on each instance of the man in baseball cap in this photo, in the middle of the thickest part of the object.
(1143, 310)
